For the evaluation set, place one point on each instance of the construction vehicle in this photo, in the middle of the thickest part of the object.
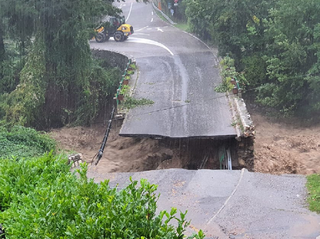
(113, 27)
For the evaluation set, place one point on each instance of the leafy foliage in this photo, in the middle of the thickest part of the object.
(42, 198)
(56, 81)
(228, 73)
(20, 142)
(275, 43)
(131, 102)
(178, 13)
(22, 105)
(200, 17)
(313, 186)
(292, 55)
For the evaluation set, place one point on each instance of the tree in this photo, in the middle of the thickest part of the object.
(292, 56)
(200, 14)
(60, 79)
(2, 50)
(275, 44)
(228, 23)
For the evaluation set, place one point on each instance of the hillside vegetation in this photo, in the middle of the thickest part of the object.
(275, 44)
(41, 198)
(20, 142)
(48, 77)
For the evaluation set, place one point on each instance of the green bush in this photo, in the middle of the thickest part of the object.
(228, 72)
(41, 198)
(20, 142)
(93, 95)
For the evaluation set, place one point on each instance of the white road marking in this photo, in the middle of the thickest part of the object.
(159, 29)
(150, 42)
(141, 34)
(129, 12)
(151, 19)
(152, 13)
(141, 29)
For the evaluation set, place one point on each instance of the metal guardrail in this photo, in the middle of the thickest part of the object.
(163, 14)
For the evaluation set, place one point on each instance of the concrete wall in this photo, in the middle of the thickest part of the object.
(245, 153)
(112, 58)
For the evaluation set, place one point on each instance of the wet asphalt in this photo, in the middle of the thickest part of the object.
(179, 74)
(231, 204)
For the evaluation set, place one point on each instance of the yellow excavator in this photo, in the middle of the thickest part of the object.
(113, 27)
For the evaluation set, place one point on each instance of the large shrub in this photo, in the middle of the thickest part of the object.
(20, 142)
(41, 198)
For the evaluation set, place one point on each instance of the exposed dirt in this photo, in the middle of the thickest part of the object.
(121, 154)
(282, 147)
(133, 154)
(279, 148)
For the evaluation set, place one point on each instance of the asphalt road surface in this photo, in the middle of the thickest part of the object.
(232, 204)
(178, 72)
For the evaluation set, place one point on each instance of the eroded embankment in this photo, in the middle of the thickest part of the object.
(124, 154)
(279, 148)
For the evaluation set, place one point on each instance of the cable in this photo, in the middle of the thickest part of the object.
(93, 158)
(103, 144)
(180, 106)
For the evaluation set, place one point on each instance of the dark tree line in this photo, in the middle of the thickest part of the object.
(47, 74)
(275, 43)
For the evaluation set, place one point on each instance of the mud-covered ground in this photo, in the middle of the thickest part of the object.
(123, 154)
(279, 148)
(120, 154)
(282, 147)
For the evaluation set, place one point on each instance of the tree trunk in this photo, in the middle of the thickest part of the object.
(2, 50)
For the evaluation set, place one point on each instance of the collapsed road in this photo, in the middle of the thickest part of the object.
(178, 72)
(231, 204)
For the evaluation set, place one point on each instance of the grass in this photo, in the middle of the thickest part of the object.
(313, 185)
(182, 26)
(161, 16)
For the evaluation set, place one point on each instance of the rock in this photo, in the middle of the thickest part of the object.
(242, 163)
(75, 160)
